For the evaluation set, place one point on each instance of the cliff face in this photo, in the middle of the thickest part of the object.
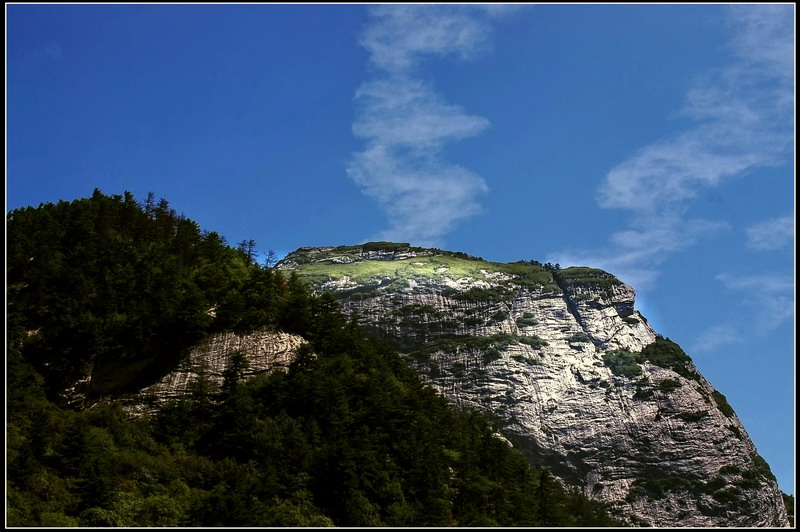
(264, 350)
(579, 380)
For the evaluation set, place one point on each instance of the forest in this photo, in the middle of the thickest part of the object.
(105, 294)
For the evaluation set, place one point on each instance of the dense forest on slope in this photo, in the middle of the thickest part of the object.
(105, 294)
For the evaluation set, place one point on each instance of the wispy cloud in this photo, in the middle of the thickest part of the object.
(406, 124)
(768, 297)
(767, 302)
(635, 253)
(773, 234)
(715, 337)
(742, 114)
(402, 34)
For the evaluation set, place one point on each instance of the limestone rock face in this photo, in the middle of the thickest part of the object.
(265, 351)
(581, 383)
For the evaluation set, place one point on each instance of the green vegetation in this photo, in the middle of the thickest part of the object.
(527, 319)
(667, 354)
(431, 265)
(501, 315)
(622, 363)
(528, 275)
(693, 417)
(762, 467)
(669, 385)
(722, 403)
(107, 284)
(483, 295)
(349, 436)
(579, 337)
(663, 353)
(587, 278)
(525, 360)
(735, 430)
(658, 487)
(456, 344)
(643, 390)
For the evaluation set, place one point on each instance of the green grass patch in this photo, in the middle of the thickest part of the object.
(319, 266)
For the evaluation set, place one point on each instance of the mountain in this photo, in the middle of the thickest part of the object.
(156, 376)
(573, 373)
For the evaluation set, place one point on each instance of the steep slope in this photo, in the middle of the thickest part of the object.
(264, 349)
(573, 371)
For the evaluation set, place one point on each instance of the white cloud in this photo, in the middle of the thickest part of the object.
(635, 253)
(423, 201)
(715, 337)
(406, 123)
(767, 303)
(401, 34)
(743, 121)
(772, 234)
(408, 113)
(769, 298)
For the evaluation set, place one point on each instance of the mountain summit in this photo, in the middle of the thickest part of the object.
(578, 379)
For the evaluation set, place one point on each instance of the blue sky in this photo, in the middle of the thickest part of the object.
(654, 141)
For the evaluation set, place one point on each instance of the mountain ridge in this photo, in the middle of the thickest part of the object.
(572, 369)
(118, 308)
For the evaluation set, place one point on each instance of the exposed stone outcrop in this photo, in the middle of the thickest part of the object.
(265, 350)
(559, 356)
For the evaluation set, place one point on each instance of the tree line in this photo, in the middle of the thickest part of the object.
(116, 290)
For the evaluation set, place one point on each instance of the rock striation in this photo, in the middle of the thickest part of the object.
(578, 379)
(265, 350)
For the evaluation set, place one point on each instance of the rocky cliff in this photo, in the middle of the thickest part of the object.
(580, 381)
(265, 350)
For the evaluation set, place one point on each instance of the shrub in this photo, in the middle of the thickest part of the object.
(499, 316)
(722, 403)
(579, 337)
(525, 360)
(533, 341)
(735, 430)
(485, 295)
(692, 417)
(762, 467)
(386, 246)
(622, 363)
(667, 354)
(729, 469)
(490, 356)
(643, 393)
(668, 385)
